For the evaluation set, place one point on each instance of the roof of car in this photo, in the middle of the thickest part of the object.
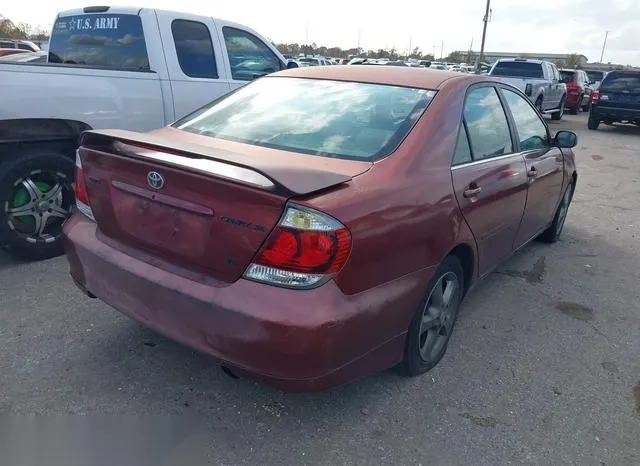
(423, 78)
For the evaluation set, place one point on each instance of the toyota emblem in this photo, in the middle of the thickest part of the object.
(155, 180)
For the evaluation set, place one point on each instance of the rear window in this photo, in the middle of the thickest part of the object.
(518, 69)
(344, 120)
(621, 81)
(567, 76)
(108, 41)
(595, 76)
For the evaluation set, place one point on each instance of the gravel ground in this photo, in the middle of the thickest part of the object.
(544, 367)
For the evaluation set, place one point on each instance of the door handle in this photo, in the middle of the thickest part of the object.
(532, 173)
(472, 191)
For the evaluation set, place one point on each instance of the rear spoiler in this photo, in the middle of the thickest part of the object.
(293, 180)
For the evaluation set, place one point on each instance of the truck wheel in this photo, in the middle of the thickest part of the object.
(592, 123)
(558, 114)
(36, 197)
(538, 105)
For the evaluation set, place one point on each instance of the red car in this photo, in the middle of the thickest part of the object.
(578, 90)
(318, 224)
(5, 52)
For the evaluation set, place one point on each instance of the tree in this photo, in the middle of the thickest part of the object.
(573, 61)
(454, 57)
(415, 53)
(9, 30)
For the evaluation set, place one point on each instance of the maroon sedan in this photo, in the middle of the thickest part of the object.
(318, 224)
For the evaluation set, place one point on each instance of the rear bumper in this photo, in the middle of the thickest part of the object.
(601, 112)
(296, 340)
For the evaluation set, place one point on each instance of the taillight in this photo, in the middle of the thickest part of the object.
(595, 96)
(302, 251)
(82, 196)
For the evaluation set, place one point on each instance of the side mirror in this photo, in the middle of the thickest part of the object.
(565, 139)
(291, 64)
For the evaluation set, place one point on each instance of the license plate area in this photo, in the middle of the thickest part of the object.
(162, 222)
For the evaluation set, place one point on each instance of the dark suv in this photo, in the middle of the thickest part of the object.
(617, 100)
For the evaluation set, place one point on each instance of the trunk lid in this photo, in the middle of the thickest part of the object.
(206, 206)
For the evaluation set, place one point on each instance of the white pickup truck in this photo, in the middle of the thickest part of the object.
(108, 67)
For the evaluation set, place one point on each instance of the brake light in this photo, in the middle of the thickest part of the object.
(82, 195)
(302, 251)
(595, 97)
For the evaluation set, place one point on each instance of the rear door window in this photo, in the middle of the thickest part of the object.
(249, 57)
(487, 124)
(108, 41)
(194, 49)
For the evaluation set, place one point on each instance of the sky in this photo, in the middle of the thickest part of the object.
(525, 26)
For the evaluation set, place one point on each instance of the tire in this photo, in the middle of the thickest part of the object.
(538, 105)
(36, 197)
(552, 234)
(558, 115)
(577, 107)
(593, 123)
(426, 345)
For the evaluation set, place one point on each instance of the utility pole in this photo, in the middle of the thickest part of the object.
(441, 50)
(358, 41)
(470, 51)
(409, 54)
(484, 36)
(606, 34)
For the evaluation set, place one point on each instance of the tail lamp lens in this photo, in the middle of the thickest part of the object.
(304, 248)
(82, 195)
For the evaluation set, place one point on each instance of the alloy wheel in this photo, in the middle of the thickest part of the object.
(438, 316)
(39, 205)
(563, 209)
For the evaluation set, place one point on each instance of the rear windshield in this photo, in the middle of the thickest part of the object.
(107, 41)
(344, 120)
(621, 81)
(567, 76)
(518, 69)
(595, 76)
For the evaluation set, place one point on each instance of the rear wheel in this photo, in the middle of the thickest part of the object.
(433, 322)
(552, 234)
(557, 115)
(36, 197)
(593, 123)
(576, 108)
(538, 104)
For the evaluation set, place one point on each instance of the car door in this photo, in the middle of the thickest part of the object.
(489, 177)
(194, 61)
(544, 166)
(249, 57)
